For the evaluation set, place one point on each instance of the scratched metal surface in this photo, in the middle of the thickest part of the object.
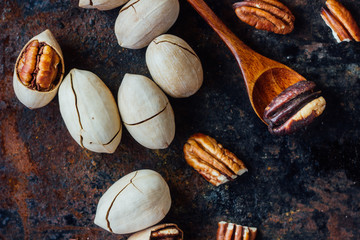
(304, 186)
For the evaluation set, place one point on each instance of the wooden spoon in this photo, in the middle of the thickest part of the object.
(264, 78)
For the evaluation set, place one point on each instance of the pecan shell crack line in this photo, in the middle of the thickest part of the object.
(137, 123)
(188, 50)
(112, 139)
(112, 203)
(77, 110)
(129, 6)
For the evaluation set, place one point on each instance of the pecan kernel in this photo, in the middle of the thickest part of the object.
(294, 108)
(38, 66)
(232, 231)
(168, 232)
(269, 15)
(215, 163)
(341, 22)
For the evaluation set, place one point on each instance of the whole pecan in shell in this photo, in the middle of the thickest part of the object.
(38, 66)
(215, 163)
(294, 108)
(341, 22)
(269, 15)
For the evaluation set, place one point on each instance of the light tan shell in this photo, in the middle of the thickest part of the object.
(135, 202)
(102, 5)
(139, 22)
(146, 112)
(29, 97)
(174, 66)
(146, 234)
(90, 112)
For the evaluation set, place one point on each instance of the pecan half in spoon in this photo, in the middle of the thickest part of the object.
(294, 108)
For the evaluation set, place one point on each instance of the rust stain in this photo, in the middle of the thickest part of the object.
(330, 200)
(337, 232)
(17, 152)
(15, 148)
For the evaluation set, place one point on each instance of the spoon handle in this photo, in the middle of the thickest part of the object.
(243, 53)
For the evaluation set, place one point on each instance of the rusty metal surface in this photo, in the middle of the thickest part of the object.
(304, 186)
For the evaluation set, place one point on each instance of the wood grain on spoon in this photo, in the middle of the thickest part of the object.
(264, 78)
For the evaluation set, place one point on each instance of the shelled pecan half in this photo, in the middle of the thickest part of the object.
(294, 108)
(232, 231)
(38, 66)
(269, 15)
(215, 163)
(167, 231)
(339, 19)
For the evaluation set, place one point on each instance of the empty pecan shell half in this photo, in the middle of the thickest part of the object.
(38, 66)
(339, 19)
(232, 231)
(269, 15)
(215, 163)
(294, 108)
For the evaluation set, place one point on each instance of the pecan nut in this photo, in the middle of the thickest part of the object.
(269, 15)
(167, 231)
(215, 163)
(339, 19)
(232, 231)
(38, 66)
(294, 108)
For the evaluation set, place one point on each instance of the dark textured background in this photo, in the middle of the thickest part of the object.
(304, 186)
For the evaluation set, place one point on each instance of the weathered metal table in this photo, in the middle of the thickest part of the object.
(304, 186)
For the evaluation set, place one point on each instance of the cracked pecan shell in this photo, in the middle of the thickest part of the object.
(340, 21)
(232, 231)
(38, 71)
(135, 202)
(89, 111)
(146, 112)
(269, 15)
(294, 108)
(215, 163)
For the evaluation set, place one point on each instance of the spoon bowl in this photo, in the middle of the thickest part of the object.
(264, 78)
(270, 84)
